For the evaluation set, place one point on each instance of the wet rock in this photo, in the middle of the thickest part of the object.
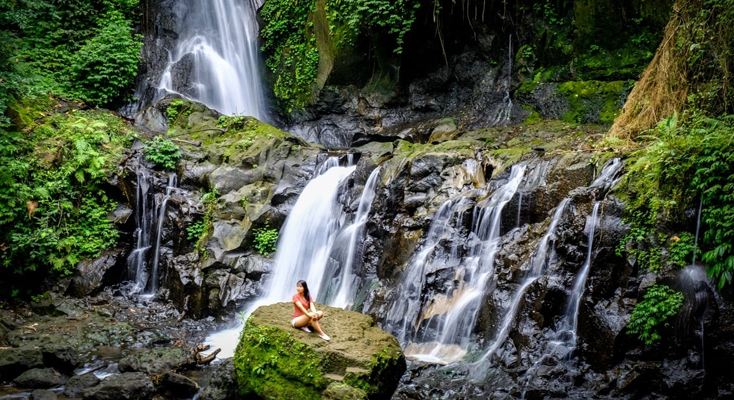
(41, 394)
(222, 385)
(178, 385)
(89, 275)
(63, 358)
(15, 361)
(226, 179)
(40, 378)
(157, 361)
(342, 391)
(76, 384)
(359, 355)
(126, 386)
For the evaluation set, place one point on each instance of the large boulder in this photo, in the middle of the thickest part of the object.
(275, 361)
(76, 384)
(15, 361)
(40, 378)
(222, 385)
(157, 361)
(127, 386)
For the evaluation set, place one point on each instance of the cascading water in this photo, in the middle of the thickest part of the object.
(308, 235)
(153, 284)
(218, 49)
(136, 260)
(304, 244)
(452, 315)
(505, 113)
(538, 264)
(344, 285)
(571, 317)
(146, 219)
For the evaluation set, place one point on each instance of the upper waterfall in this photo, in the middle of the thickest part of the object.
(215, 59)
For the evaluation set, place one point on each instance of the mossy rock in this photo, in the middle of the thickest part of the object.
(275, 361)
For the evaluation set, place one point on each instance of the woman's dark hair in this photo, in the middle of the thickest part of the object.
(306, 293)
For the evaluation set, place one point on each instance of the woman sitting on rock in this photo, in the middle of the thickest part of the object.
(305, 313)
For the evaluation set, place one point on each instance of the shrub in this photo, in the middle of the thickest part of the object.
(163, 152)
(659, 304)
(686, 164)
(53, 212)
(105, 67)
(265, 239)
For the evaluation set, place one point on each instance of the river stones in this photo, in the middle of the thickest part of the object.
(40, 378)
(42, 394)
(15, 361)
(179, 386)
(63, 358)
(127, 386)
(276, 361)
(157, 361)
(222, 385)
(78, 383)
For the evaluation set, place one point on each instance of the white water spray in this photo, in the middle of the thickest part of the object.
(345, 287)
(218, 45)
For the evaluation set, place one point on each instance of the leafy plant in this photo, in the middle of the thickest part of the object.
(681, 249)
(265, 239)
(659, 304)
(195, 230)
(163, 152)
(700, 153)
(53, 212)
(83, 50)
(175, 108)
(199, 229)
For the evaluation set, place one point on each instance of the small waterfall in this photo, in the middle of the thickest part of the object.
(698, 228)
(505, 113)
(136, 260)
(216, 60)
(344, 286)
(451, 315)
(153, 285)
(519, 208)
(609, 176)
(145, 219)
(693, 282)
(571, 316)
(538, 264)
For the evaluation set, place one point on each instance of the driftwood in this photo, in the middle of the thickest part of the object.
(202, 359)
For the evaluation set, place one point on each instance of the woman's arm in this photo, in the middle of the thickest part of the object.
(300, 305)
(317, 314)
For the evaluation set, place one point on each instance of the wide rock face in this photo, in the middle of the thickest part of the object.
(276, 361)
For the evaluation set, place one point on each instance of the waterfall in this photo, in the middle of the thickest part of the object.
(303, 246)
(571, 316)
(307, 236)
(136, 260)
(538, 264)
(698, 228)
(216, 58)
(451, 315)
(153, 285)
(145, 220)
(344, 285)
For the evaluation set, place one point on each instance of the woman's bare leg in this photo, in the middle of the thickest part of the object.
(315, 325)
(303, 320)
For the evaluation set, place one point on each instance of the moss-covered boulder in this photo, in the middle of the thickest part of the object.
(275, 361)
